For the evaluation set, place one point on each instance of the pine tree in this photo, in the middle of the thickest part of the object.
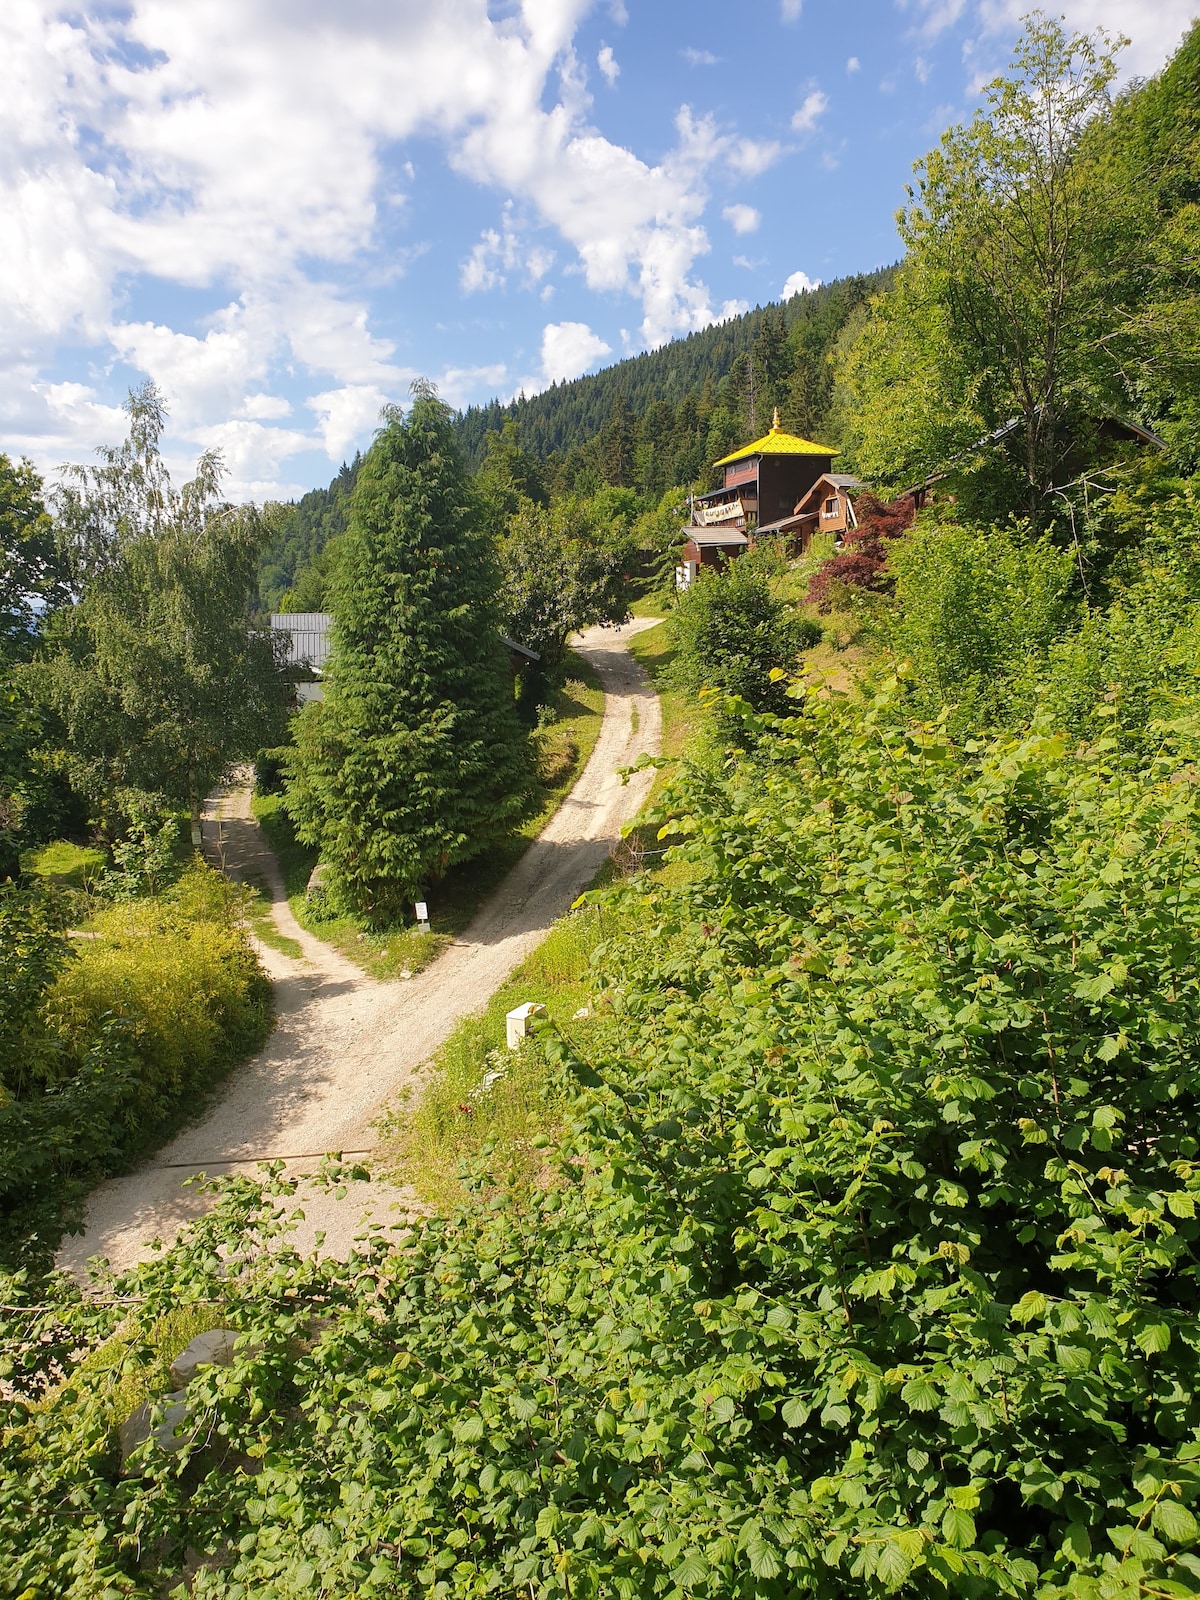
(415, 759)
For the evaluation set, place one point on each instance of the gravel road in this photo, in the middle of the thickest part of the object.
(345, 1045)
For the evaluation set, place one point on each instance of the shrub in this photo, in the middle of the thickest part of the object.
(869, 1268)
(109, 1037)
(976, 613)
(862, 562)
(731, 633)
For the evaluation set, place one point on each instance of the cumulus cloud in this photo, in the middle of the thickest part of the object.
(853, 64)
(607, 62)
(798, 283)
(749, 157)
(742, 218)
(789, 10)
(500, 252)
(806, 118)
(236, 148)
(569, 349)
(1154, 27)
(699, 58)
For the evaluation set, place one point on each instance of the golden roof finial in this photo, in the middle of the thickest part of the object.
(775, 428)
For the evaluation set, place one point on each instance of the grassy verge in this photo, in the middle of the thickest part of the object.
(481, 1098)
(565, 744)
(73, 866)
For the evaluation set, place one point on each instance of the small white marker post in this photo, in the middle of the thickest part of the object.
(422, 917)
(517, 1022)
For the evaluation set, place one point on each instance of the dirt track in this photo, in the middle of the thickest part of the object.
(345, 1045)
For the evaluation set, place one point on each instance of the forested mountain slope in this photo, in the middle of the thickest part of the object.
(772, 355)
(652, 423)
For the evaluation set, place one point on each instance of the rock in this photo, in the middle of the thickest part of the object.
(318, 878)
(211, 1349)
(134, 1432)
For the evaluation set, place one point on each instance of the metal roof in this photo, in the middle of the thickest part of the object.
(778, 443)
(715, 536)
(307, 635)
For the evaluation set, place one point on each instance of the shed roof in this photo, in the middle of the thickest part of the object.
(715, 536)
(778, 443)
(307, 634)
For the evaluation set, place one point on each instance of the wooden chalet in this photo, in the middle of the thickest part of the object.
(764, 484)
(828, 507)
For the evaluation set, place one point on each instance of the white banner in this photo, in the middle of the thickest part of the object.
(705, 516)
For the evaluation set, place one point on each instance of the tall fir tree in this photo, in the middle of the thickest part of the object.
(415, 760)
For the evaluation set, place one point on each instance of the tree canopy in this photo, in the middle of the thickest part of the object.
(415, 759)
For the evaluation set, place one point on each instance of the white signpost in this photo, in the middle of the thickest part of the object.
(517, 1022)
(422, 916)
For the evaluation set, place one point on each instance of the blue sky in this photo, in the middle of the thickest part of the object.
(284, 210)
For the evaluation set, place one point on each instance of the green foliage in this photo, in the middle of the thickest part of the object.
(977, 611)
(731, 633)
(293, 570)
(156, 678)
(868, 1267)
(104, 1039)
(73, 865)
(1050, 282)
(562, 569)
(415, 759)
(31, 570)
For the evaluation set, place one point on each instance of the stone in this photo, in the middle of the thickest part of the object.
(140, 1426)
(211, 1349)
(318, 878)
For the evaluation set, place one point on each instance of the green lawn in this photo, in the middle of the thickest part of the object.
(72, 865)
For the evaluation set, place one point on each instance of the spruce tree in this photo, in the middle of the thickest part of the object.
(415, 759)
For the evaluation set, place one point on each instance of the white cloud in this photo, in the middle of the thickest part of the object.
(249, 149)
(789, 10)
(742, 218)
(853, 64)
(745, 261)
(921, 69)
(749, 157)
(346, 417)
(798, 283)
(733, 308)
(1154, 27)
(699, 58)
(569, 349)
(499, 253)
(607, 62)
(814, 106)
(266, 407)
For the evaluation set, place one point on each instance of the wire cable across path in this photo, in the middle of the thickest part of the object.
(345, 1044)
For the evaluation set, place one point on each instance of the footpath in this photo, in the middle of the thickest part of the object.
(346, 1045)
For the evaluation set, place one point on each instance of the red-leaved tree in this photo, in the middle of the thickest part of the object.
(862, 561)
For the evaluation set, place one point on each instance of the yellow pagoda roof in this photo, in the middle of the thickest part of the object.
(778, 443)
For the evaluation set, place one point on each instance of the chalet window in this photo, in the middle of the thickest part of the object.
(831, 507)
